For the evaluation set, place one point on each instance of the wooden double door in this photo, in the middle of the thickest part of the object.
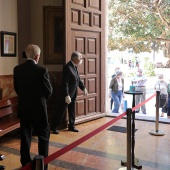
(85, 32)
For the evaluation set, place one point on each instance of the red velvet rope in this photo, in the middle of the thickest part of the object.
(145, 101)
(86, 137)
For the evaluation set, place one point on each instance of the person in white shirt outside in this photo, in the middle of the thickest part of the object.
(140, 85)
(162, 86)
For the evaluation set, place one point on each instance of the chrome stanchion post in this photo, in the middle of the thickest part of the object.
(38, 163)
(157, 132)
(157, 111)
(128, 164)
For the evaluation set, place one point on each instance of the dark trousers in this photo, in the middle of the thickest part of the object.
(43, 132)
(63, 106)
(71, 111)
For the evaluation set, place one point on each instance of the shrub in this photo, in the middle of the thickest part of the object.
(148, 67)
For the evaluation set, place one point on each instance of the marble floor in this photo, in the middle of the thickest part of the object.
(104, 151)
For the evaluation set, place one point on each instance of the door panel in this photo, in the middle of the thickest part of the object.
(89, 70)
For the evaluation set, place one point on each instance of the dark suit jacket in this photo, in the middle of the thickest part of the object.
(71, 80)
(32, 84)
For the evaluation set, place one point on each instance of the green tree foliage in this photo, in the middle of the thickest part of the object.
(148, 67)
(136, 24)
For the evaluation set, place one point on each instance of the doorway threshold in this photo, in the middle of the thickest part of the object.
(142, 117)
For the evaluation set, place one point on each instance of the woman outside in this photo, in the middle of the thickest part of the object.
(162, 86)
(117, 87)
(111, 100)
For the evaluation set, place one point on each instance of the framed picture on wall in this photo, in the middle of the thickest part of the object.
(8, 44)
(53, 35)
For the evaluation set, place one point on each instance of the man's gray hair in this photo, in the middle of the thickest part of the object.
(160, 76)
(118, 73)
(32, 50)
(75, 55)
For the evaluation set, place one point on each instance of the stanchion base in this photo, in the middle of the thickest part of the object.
(2, 167)
(123, 163)
(157, 133)
(136, 164)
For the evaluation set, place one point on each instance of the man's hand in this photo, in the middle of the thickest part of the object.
(68, 99)
(85, 92)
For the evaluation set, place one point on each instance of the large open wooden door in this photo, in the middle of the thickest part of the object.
(85, 32)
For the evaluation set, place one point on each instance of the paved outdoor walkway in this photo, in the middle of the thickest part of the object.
(150, 105)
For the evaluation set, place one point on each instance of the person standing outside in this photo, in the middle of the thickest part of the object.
(33, 87)
(111, 100)
(137, 66)
(162, 86)
(130, 64)
(70, 82)
(140, 85)
(117, 88)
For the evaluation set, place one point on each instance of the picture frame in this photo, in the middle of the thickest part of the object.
(8, 44)
(53, 35)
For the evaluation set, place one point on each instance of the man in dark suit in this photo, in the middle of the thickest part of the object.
(32, 84)
(70, 82)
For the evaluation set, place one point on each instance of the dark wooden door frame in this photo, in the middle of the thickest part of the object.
(102, 30)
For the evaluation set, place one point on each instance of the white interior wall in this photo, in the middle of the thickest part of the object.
(9, 22)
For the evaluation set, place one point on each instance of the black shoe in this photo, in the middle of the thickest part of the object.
(73, 129)
(2, 167)
(55, 132)
(136, 111)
